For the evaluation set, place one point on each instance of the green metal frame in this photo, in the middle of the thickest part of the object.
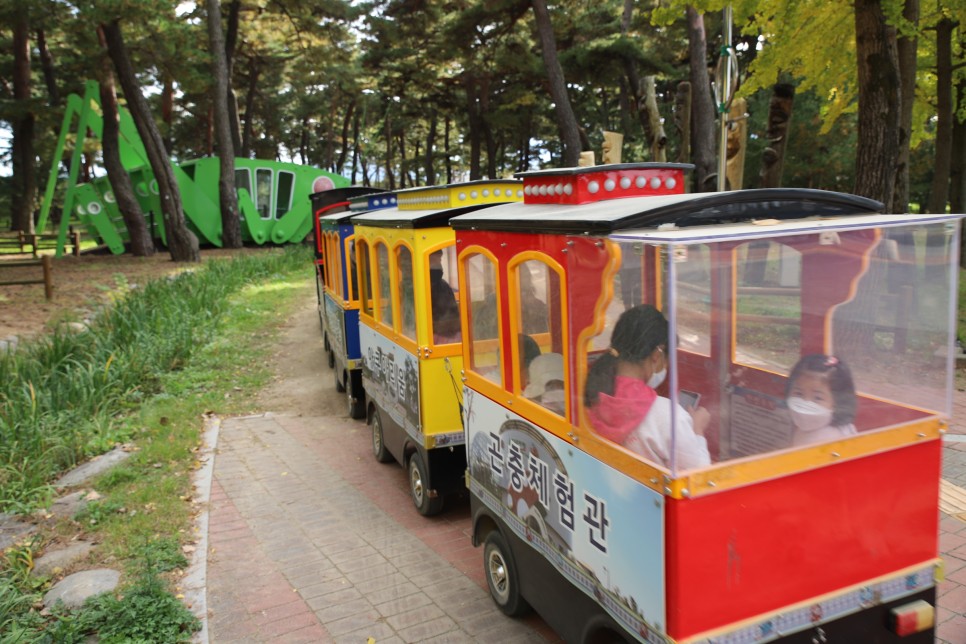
(280, 211)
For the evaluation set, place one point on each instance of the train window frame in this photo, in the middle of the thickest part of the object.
(556, 337)
(384, 285)
(264, 199)
(352, 270)
(283, 192)
(452, 281)
(481, 382)
(364, 276)
(399, 290)
(246, 184)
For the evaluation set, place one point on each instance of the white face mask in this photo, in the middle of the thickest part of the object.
(657, 378)
(807, 415)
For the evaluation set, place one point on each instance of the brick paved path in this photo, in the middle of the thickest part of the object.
(312, 541)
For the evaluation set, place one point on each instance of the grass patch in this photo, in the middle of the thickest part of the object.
(144, 374)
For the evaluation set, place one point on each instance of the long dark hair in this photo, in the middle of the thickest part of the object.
(638, 332)
(839, 380)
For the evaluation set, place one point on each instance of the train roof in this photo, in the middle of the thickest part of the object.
(668, 210)
(333, 196)
(435, 205)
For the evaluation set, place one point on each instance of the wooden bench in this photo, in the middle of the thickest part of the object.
(47, 279)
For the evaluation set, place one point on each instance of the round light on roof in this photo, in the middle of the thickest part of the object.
(670, 183)
(486, 193)
(640, 182)
(568, 189)
(462, 196)
(519, 193)
(527, 191)
(496, 192)
(560, 188)
(609, 185)
(625, 183)
(593, 187)
(655, 182)
(474, 194)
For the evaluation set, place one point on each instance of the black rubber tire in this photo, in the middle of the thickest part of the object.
(500, 571)
(379, 440)
(339, 387)
(355, 405)
(329, 355)
(418, 477)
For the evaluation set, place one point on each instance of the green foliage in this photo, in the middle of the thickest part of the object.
(64, 397)
(160, 555)
(145, 612)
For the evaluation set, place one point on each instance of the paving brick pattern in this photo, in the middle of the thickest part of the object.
(311, 541)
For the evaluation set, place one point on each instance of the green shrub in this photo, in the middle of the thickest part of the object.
(64, 397)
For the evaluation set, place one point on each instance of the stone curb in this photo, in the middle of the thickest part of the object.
(195, 580)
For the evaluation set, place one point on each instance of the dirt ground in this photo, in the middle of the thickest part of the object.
(81, 285)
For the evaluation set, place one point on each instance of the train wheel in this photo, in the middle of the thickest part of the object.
(418, 480)
(356, 405)
(338, 381)
(501, 576)
(378, 440)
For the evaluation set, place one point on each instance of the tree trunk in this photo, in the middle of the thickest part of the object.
(776, 136)
(228, 195)
(702, 107)
(231, 39)
(474, 126)
(657, 139)
(449, 157)
(167, 111)
(390, 176)
(682, 120)
(344, 152)
(430, 165)
(137, 226)
(939, 190)
(566, 120)
(47, 66)
(355, 147)
(24, 188)
(878, 115)
(957, 167)
(182, 243)
(906, 48)
(247, 132)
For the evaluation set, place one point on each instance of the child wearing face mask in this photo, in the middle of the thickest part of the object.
(821, 400)
(622, 404)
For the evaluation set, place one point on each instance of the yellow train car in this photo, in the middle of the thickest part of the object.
(410, 334)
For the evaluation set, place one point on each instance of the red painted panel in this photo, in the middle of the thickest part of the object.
(759, 548)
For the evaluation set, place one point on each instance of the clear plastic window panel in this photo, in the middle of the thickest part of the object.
(283, 197)
(770, 345)
(263, 190)
(631, 392)
(484, 328)
(353, 273)
(541, 367)
(362, 260)
(444, 296)
(384, 275)
(407, 304)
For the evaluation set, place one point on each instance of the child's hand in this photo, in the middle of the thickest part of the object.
(701, 418)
